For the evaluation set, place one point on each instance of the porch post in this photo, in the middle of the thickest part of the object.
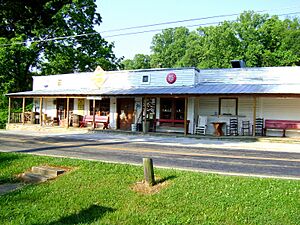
(23, 111)
(144, 115)
(68, 116)
(94, 113)
(41, 110)
(185, 115)
(8, 116)
(254, 116)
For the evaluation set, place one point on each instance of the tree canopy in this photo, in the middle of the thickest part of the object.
(258, 39)
(32, 41)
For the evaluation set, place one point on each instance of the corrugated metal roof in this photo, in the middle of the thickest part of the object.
(202, 89)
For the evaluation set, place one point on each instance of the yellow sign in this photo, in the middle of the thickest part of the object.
(80, 106)
(99, 77)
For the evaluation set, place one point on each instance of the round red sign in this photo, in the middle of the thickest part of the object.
(171, 78)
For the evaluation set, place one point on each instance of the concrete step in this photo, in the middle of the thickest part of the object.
(47, 171)
(34, 178)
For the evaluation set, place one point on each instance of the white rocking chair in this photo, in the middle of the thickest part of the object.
(201, 125)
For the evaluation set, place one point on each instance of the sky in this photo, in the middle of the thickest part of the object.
(119, 14)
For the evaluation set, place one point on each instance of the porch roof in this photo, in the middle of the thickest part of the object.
(200, 89)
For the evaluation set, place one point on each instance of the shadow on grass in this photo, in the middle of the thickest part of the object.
(7, 158)
(89, 215)
(161, 180)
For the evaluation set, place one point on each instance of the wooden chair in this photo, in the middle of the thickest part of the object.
(259, 126)
(245, 127)
(201, 125)
(233, 127)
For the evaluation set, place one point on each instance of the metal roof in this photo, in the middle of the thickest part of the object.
(201, 89)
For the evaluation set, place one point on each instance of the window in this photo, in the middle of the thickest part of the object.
(101, 107)
(146, 79)
(228, 106)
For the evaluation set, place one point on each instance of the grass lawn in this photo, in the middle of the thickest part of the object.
(101, 193)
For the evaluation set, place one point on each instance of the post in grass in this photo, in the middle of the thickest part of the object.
(148, 171)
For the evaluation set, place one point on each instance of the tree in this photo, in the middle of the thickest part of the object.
(140, 61)
(258, 39)
(169, 47)
(219, 46)
(31, 39)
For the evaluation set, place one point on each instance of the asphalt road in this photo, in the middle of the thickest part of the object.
(245, 159)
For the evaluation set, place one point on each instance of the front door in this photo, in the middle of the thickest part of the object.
(125, 113)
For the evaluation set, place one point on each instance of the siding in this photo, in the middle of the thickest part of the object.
(264, 75)
(281, 109)
(114, 79)
(209, 106)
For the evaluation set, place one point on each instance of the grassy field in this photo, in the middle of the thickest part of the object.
(101, 193)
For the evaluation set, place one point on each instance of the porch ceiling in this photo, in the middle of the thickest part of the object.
(201, 89)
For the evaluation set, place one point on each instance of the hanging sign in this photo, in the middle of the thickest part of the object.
(171, 78)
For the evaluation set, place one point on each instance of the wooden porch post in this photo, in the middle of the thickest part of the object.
(8, 116)
(144, 115)
(23, 111)
(68, 116)
(254, 116)
(94, 113)
(41, 110)
(185, 116)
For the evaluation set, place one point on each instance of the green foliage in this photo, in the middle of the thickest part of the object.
(140, 61)
(101, 193)
(169, 47)
(25, 24)
(3, 111)
(258, 39)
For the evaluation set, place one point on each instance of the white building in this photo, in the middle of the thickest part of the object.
(175, 97)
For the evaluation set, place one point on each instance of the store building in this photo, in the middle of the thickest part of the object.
(171, 100)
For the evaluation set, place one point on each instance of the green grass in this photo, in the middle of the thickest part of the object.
(100, 193)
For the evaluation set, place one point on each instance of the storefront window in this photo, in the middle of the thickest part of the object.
(228, 106)
(101, 107)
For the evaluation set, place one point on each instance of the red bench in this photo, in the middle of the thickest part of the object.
(171, 121)
(282, 125)
(98, 119)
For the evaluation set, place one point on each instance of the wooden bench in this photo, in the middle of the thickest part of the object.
(171, 121)
(282, 125)
(98, 120)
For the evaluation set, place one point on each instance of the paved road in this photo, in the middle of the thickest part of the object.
(238, 158)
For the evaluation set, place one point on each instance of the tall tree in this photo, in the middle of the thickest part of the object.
(169, 47)
(258, 39)
(32, 39)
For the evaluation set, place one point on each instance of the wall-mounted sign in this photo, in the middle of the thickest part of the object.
(171, 78)
(94, 97)
(99, 77)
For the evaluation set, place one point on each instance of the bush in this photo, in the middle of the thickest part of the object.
(3, 118)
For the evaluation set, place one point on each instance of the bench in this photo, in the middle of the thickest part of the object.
(171, 121)
(98, 119)
(282, 125)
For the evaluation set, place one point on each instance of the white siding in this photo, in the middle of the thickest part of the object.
(262, 75)
(114, 79)
(281, 109)
(48, 107)
(209, 106)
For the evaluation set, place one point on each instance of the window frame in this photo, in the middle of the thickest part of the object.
(228, 98)
(146, 82)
